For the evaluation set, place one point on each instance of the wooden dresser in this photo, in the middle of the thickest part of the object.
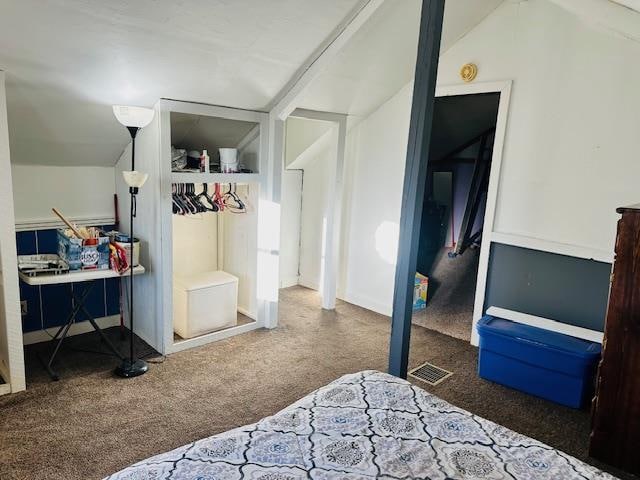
(615, 420)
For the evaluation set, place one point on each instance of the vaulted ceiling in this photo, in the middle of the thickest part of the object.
(380, 59)
(68, 61)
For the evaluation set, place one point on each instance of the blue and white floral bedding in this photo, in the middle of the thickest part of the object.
(365, 425)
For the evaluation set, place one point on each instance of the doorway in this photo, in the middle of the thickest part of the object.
(311, 202)
(454, 203)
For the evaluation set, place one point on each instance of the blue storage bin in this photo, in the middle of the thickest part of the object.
(547, 364)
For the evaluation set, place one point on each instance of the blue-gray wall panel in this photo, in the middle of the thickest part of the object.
(567, 289)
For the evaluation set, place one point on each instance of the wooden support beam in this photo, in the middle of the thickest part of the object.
(415, 176)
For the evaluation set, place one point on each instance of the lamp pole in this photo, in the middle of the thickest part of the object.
(132, 367)
(134, 119)
(132, 191)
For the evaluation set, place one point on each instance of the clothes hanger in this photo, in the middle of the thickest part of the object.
(178, 208)
(190, 195)
(198, 199)
(191, 198)
(184, 200)
(211, 207)
(217, 197)
(232, 201)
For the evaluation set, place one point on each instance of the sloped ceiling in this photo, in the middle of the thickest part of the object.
(632, 4)
(380, 59)
(195, 132)
(617, 17)
(68, 61)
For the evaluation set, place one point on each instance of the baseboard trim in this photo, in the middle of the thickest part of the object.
(289, 282)
(39, 336)
(247, 313)
(303, 282)
(368, 303)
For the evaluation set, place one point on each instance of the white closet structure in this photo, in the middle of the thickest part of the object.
(178, 246)
(12, 377)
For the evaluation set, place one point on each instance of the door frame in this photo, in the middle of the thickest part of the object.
(504, 89)
(331, 235)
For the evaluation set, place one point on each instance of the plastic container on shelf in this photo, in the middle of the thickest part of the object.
(228, 160)
(124, 241)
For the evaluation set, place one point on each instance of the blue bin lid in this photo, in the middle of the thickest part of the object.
(539, 336)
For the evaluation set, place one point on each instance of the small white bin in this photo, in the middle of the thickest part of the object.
(204, 302)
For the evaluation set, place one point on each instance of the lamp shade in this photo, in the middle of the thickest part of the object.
(138, 117)
(135, 178)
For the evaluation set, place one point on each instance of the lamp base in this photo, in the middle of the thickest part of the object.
(128, 369)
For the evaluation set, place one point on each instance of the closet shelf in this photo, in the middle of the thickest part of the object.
(188, 177)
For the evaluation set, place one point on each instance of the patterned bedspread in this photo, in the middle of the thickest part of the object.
(365, 425)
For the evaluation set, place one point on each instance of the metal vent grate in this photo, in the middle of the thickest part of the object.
(430, 373)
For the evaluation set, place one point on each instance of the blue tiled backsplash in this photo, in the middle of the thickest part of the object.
(50, 305)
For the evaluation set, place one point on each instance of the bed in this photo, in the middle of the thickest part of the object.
(365, 425)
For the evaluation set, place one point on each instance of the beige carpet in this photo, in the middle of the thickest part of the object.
(90, 424)
(451, 293)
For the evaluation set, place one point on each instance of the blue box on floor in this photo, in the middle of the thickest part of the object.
(547, 364)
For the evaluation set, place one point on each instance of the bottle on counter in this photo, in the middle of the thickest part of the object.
(204, 162)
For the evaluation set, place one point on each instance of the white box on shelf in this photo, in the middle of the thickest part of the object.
(204, 302)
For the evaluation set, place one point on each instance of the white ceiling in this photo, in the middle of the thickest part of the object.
(68, 61)
(632, 4)
(380, 59)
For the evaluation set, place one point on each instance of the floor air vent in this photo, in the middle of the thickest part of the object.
(430, 373)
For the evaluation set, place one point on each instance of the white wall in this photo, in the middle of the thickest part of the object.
(240, 241)
(376, 151)
(249, 154)
(11, 353)
(80, 193)
(290, 218)
(570, 149)
(195, 244)
(312, 219)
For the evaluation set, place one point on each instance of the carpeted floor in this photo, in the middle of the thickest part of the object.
(90, 424)
(451, 293)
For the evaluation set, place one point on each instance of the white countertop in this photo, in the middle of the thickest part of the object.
(76, 276)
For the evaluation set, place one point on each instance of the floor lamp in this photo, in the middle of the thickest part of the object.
(134, 118)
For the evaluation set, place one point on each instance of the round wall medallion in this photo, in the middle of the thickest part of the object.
(468, 72)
